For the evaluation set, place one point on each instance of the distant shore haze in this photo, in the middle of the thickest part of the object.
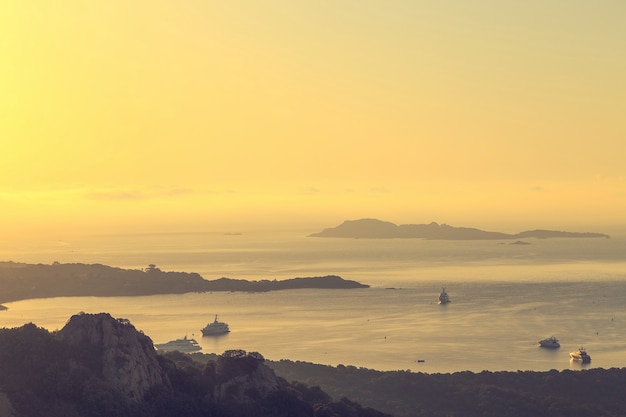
(378, 229)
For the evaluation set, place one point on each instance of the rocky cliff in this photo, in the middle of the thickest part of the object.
(242, 377)
(125, 357)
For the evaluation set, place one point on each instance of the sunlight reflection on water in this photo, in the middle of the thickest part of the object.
(504, 299)
(487, 326)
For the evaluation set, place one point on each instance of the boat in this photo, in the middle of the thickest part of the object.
(443, 297)
(181, 345)
(580, 355)
(551, 343)
(215, 328)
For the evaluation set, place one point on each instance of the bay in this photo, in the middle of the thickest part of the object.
(504, 298)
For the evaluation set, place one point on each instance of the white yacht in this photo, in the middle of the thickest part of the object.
(551, 343)
(580, 355)
(443, 297)
(215, 328)
(181, 345)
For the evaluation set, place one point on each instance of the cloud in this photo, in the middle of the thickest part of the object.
(139, 194)
(132, 195)
(381, 190)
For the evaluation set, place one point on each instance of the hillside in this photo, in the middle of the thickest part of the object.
(585, 393)
(100, 366)
(20, 281)
(378, 229)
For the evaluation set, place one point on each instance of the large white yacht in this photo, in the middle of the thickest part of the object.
(443, 297)
(181, 345)
(580, 355)
(551, 343)
(215, 328)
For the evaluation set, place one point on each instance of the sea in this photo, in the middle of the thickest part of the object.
(505, 297)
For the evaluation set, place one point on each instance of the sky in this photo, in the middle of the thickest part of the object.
(151, 115)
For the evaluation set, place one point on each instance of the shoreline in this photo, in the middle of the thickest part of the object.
(30, 281)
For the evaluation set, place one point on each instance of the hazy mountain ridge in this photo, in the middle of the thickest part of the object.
(378, 229)
(20, 281)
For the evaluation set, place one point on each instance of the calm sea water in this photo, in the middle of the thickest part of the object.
(505, 298)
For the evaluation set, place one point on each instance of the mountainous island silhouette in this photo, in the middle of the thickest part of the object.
(378, 229)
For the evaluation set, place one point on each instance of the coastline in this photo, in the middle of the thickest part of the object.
(29, 281)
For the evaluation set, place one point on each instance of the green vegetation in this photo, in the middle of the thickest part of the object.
(592, 393)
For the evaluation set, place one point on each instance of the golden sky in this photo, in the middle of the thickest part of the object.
(197, 114)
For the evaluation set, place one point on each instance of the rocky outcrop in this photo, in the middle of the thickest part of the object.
(124, 357)
(243, 378)
(100, 366)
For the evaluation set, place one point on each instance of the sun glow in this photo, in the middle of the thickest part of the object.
(199, 114)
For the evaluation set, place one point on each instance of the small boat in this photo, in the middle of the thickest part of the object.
(215, 328)
(551, 343)
(181, 345)
(443, 297)
(580, 355)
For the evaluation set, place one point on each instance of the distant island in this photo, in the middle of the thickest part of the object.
(378, 229)
(20, 281)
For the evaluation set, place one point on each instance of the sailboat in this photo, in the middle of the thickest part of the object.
(443, 297)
